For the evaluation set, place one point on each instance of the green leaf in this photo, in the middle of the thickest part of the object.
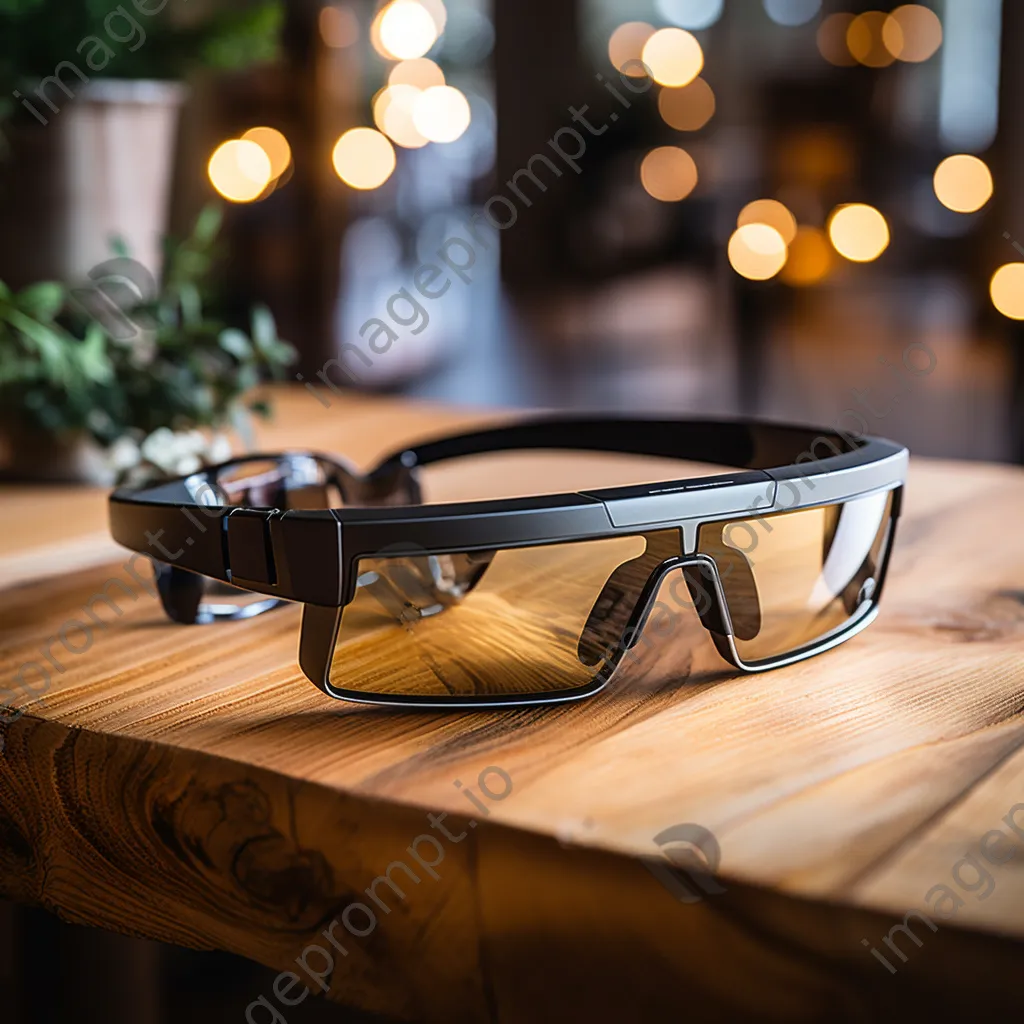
(235, 343)
(42, 301)
(247, 377)
(191, 305)
(264, 329)
(49, 341)
(92, 354)
(208, 224)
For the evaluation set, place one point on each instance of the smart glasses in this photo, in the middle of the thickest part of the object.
(537, 599)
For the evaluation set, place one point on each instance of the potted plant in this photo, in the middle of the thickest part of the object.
(118, 380)
(90, 92)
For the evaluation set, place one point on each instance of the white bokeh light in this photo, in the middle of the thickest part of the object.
(691, 14)
(441, 113)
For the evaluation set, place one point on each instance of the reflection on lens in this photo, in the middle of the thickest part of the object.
(289, 482)
(493, 623)
(793, 578)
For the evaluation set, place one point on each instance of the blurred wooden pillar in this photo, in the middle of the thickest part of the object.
(9, 985)
(323, 85)
(326, 91)
(1010, 170)
(52, 972)
(110, 978)
(538, 77)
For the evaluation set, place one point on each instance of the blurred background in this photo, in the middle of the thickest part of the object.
(806, 211)
(802, 209)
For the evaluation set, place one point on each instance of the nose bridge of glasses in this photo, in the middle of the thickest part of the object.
(621, 611)
(618, 615)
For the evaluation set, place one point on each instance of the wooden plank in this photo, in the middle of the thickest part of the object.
(189, 785)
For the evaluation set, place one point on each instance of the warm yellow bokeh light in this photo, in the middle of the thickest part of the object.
(770, 212)
(627, 44)
(963, 183)
(912, 33)
(1007, 290)
(363, 158)
(810, 258)
(832, 40)
(375, 39)
(858, 232)
(421, 72)
(674, 57)
(392, 114)
(441, 113)
(757, 251)
(865, 42)
(275, 145)
(668, 173)
(239, 170)
(405, 29)
(687, 109)
(338, 26)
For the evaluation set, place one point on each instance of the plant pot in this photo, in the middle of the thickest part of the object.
(98, 169)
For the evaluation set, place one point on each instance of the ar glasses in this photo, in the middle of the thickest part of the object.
(531, 600)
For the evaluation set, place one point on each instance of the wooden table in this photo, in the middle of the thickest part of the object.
(189, 785)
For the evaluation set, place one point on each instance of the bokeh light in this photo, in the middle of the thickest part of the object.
(858, 232)
(792, 12)
(770, 212)
(275, 145)
(627, 44)
(363, 158)
(832, 40)
(392, 114)
(757, 251)
(437, 10)
(404, 30)
(865, 41)
(441, 113)
(668, 173)
(912, 33)
(810, 258)
(1007, 290)
(421, 72)
(693, 14)
(338, 26)
(687, 109)
(963, 183)
(674, 57)
(239, 170)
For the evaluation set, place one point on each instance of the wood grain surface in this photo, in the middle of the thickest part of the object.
(189, 784)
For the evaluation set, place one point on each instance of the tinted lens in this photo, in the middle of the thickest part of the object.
(514, 622)
(793, 578)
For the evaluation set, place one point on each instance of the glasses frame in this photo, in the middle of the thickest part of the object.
(310, 556)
